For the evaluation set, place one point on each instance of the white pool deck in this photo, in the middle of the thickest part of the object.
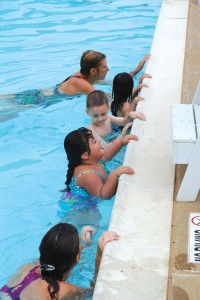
(136, 266)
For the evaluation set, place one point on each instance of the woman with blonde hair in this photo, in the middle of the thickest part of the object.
(93, 67)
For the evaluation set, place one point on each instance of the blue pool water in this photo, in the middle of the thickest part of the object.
(41, 44)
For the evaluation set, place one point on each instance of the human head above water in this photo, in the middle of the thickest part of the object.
(90, 59)
(59, 250)
(96, 98)
(75, 144)
(122, 90)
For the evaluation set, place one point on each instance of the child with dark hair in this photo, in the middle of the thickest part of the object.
(124, 95)
(97, 108)
(124, 99)
(86, 173)
(60, 251)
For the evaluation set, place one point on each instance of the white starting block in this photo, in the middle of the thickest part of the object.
(186, 145)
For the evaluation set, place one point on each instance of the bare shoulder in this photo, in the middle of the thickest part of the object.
(126, 108)
(116, 120)
(69, 291)
(77, 294)
(84, 86)
(76, 85)
(125, 105)
(30, 265)
(94, 131)
(109, 119)
(78, 170)
(90, 127)
(20, 274)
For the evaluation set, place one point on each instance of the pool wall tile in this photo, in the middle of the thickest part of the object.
(136, 266)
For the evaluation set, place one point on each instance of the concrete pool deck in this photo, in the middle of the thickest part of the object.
(149, 262)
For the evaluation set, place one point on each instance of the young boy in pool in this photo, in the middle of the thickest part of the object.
(97, 108)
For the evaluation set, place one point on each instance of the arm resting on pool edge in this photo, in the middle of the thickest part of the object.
(140, 65)
(83, 293)
(105, 238)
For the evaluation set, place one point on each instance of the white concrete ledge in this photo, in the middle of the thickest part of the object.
(136, 266)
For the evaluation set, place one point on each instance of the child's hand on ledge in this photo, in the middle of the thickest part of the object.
(137, 99)
(129, 137)
(140, 86)
(124, 170)
(143, 76)
(126, 127)
(137, 114)
(105, 238)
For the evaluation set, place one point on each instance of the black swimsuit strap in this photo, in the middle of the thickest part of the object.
(72, 77)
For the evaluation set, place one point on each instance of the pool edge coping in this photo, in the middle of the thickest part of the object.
(157, 261)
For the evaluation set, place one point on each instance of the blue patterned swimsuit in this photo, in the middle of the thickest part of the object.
(77, 189)
(76, 192)
(38, 98)
(78, 199)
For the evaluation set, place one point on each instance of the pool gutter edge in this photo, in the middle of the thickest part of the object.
(136, 266)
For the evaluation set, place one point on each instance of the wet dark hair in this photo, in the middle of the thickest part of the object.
(90, 59)
(122, 91)
(96, 98)
(75, 144)
(59, 248)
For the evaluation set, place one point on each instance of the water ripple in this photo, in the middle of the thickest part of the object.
(19, 164)
(59, 32)
(41, 44)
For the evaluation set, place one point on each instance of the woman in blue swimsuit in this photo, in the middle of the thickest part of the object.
(60, 250)
(86, 170)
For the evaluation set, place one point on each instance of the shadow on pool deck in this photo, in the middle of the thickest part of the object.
(184, 277)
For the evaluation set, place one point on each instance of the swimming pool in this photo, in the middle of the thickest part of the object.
(42, 42)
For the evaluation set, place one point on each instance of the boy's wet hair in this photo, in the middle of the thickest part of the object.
(96, 98)
(59, 249)
(75, 144)
(90, 59)
(122, 91)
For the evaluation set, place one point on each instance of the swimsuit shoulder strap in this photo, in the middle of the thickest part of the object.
(32, 271)
(31, 276)
(71, 77)
(105, 167)
(89, 171)
(15, 291)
